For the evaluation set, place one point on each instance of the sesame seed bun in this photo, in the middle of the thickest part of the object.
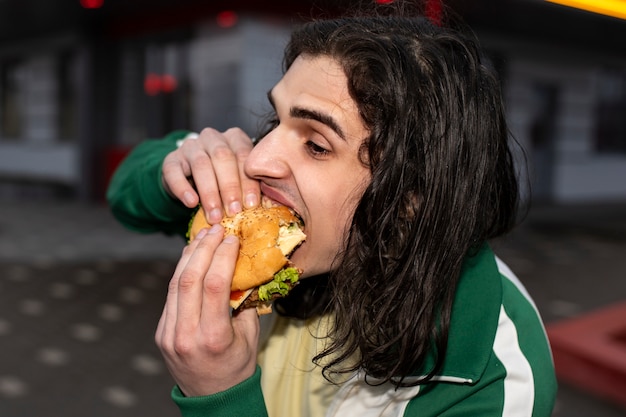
(267, 237)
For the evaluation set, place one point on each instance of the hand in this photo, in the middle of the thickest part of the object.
(213, 163)
(205, 349)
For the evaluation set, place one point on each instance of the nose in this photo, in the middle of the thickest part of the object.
(268, 158)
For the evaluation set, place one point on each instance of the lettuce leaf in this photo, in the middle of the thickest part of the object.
(193, 213)
(279, 284)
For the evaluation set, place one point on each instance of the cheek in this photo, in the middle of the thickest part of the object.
(331, 225)
(330, 204)
(325, 235)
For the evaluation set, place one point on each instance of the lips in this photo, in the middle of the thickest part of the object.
(271, 197)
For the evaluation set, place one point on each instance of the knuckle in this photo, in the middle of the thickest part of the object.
(165, 344)
(182, 346)
(169, 163)
(242, 153)
(213, 284)
(199, 159)
(186, 281)
(235, 131)
(231, 191)
(162, 344)
(215, 345)
(217, 339)
(208, 131)
(172, 287)
(222, 152)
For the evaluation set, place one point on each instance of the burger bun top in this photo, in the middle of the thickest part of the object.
(266, 237)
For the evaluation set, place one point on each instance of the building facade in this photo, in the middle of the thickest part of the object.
(75, 99)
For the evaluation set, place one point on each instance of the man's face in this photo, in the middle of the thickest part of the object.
(310, 160)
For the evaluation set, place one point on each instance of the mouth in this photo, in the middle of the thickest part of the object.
(272, 198)
(267, 202)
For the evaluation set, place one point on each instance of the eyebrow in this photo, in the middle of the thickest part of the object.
(309, 114)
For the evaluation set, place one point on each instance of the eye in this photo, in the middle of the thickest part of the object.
(316, 150)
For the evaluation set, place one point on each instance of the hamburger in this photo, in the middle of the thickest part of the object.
(267, 237)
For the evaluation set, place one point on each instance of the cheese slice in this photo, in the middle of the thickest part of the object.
(238, 297)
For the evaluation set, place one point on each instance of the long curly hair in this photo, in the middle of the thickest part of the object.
(443, 183)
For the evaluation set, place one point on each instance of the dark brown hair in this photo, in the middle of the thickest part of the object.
(443, 183)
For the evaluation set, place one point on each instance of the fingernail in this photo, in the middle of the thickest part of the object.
(234, 207)
(230, 239)
(189, 199)
(202, 233)
(215, 215)
(215, 229)
(252, 200)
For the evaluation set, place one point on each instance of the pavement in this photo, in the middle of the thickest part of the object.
(80, 298)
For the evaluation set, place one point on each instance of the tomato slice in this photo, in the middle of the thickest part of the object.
(236, 295)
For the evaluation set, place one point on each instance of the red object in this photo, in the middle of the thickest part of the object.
(91, 4)
(236, 295)
(226, 19)
(113, 156)
(590, 352)
(152, 84)
(434, 11)
(155, 84)
(168, 83)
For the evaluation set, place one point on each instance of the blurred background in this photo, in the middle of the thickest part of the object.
(83, 81)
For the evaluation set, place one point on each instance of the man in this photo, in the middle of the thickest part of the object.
(389, 140)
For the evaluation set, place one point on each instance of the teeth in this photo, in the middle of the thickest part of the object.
(266, 202)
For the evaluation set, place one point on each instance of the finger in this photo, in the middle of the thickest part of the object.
(167, 322)
(202, 173)
(247, 323)
(215, 316)
(226, 169)
(242, 145)
(175, 179)
(204, 176)
(191, 278)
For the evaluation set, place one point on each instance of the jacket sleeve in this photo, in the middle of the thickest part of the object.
(244, 399)
(136, 195)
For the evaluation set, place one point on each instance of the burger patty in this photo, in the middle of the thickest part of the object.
(253, 299)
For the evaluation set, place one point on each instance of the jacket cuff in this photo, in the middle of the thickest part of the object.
(244, 399)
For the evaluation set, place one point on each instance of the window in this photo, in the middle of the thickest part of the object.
(67, 96)
(610, 123)
(11, 115)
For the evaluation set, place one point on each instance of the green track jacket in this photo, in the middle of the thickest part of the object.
(498, 360)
